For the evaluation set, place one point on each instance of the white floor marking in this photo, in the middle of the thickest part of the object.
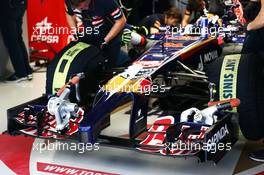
(4, 169)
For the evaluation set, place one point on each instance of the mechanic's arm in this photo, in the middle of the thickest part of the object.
(258, 21)
(186, 18)
(116, 29)
(71, 21)
(71, 18)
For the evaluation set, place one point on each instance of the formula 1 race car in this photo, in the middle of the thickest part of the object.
(163, 66)
(181, 74)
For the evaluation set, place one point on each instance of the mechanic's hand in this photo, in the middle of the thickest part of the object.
(76, 37)
(249, 27)
(157, 24)
(103, 45)
(126, 36)
(140, 29)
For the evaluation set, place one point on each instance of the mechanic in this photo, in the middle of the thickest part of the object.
(255, 29)
(106, 20)
(194, 10)
(171, 17)
(253, 46)
(216, 9)
(11, 19)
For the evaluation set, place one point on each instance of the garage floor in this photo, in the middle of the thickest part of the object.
(106, 160)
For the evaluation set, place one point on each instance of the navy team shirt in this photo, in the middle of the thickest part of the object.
(100, 16)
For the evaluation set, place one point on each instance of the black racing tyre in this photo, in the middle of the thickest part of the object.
(248, 87)
(75, 58)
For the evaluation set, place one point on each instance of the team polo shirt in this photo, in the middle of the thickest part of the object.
(100, 16)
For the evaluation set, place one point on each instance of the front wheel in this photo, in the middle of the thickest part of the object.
(241, 76)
